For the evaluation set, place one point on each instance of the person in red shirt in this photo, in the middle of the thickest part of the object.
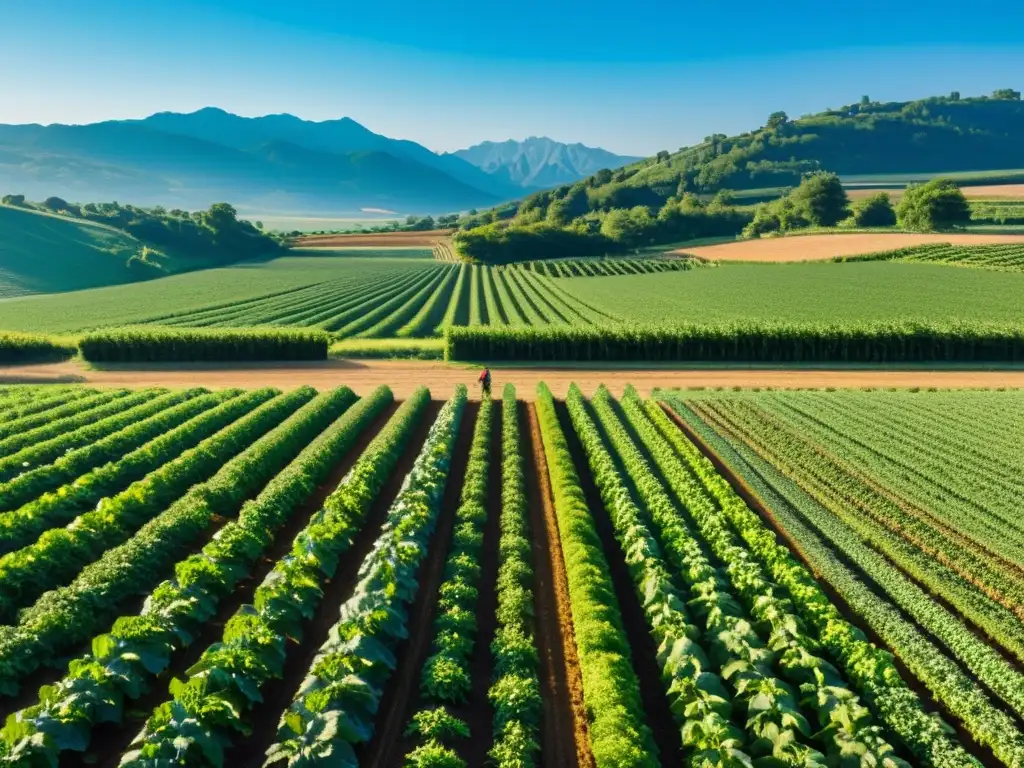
(485, 381)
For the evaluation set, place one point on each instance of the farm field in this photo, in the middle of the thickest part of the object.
(324, 579)
(812, 292)
(905, 504)
(829, 246)
(365, 297)
(375, 240)
(973, 192)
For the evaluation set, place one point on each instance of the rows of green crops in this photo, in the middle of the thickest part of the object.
(1004, 257)
(907, 505)
(319, 579)
(413, 301)
(605, 267)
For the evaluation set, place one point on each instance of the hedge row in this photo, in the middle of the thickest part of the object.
(26, 348)
(159, 345)
(768, 342)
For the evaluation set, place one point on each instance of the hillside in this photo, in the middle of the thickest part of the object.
(58, 246)
(934, 135)
(42, 253)
(278, 163)
(540, 162)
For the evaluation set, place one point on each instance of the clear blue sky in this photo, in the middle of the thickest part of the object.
(633, 77)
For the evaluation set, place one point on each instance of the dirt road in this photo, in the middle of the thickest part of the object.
(821, 247)
(983, 192)
(404, 376)
(423, 239)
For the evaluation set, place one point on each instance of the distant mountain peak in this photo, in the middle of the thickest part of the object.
(539, 161)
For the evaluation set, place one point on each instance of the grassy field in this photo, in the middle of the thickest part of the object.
(234, 285)
(46, 254)
(870, 291)
(382, 297)
(436, 573)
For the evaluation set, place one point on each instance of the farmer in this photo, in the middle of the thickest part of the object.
(485, 382)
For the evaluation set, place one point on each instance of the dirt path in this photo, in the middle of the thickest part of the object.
(423, 239)
(820, 247)
(565, 741)
(404, 376)
(279, 692)
(983, 192)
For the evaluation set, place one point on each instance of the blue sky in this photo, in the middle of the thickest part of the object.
(632, 77)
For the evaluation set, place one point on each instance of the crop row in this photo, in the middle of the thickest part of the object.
(956, 689)
(227, 467)
(446, 676)
(619, 734)
(870, 670)
(777, 674)
(604, 267)
(124, 662)
(515, 692)
(336, 705)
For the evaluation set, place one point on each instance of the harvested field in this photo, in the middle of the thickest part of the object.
(823, 247)
(405, 376)
(375, 240)
(984, 192)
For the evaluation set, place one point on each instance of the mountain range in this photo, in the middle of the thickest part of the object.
(275, 163)
(540, 162)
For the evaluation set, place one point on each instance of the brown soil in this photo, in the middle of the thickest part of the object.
(278, 693)
(404, 376)
(823, 247)
(375, 240)
(988, 191)
(565, 740)
(400, 702)
(113, 739)
(752, 500)
(642, 648)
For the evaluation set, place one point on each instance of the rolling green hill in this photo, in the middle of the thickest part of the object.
(930, 136)
(41, 253)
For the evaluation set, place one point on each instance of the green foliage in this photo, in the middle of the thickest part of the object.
(767, 341)
(875, 211)
(152, 344)
(821, 199)
(18, 348)
(619, 736)
(939, 204)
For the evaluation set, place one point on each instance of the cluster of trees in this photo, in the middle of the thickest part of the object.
(946, 133)
(821, 201)
(615, 231)
(216, 233)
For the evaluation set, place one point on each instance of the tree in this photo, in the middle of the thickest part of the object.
(875, 211)
(939, 204)
(821, 199)
(663, 156)
(55, 204)
(628, 226)
(865, 101)
(776, 120)
(13, 200)
(1006, 94)
(954, 96)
